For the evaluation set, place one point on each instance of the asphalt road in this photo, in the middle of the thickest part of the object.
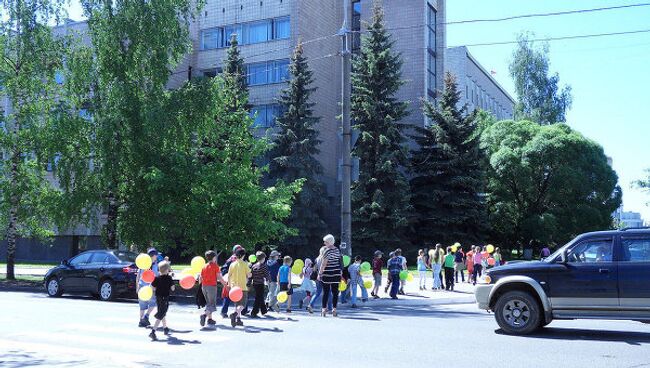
(76, 331)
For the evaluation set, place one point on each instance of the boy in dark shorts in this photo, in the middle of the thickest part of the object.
(162, 285)
(284, 277)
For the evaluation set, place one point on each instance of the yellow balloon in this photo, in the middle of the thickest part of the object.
(454, 248)
(143, 261)
(282, 296)
(409, 277)
(490, 248)
(367, 284)
(197, 264)
(296, 269)
(145, 293)
(343, 285)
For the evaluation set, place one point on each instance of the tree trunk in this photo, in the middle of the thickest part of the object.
(111, 221)
(13, 218)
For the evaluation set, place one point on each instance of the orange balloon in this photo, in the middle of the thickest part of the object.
(187, 282)
(148, 276)
(235, 294)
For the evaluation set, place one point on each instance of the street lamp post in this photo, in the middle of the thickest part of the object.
(346, 211)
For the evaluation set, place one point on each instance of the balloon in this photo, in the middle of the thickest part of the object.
(456, 244)
(365, 267)
(145, 293)
(282, 296)
(187, 282)
(143, 261)
(299, 263)
(343, 285)
(490, 248)
(491, 261)
(346, 261)
(454, 248)
(235, 294)
(197, 264)
(367, 284)
(409, 278)
(296, 269)
(403, 275)
(148, 276)
(252, 258)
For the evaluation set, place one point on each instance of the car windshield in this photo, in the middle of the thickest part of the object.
(125, 256)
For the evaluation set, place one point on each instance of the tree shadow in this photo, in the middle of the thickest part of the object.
(17, 358)
(578, 334)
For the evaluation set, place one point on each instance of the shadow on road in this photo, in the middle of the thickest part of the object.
(16, 358)
(423, 311)
(577, 334)
(171, 340)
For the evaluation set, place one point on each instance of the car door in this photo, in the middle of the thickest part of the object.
(634, 272)
(72, 276)
(588, 277)
(95, 269)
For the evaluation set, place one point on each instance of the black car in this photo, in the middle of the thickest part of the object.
(599, 275)
(106, 274)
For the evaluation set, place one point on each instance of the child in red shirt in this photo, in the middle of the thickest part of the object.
(210, 274)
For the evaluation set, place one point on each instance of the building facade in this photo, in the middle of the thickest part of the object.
(630, 219)
(479, 90)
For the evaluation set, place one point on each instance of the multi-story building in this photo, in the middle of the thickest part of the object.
(631, 219)
(479, 90)
(269, 30)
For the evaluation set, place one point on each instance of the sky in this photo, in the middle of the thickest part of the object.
(610, 76)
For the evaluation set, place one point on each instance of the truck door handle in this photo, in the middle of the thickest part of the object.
(603, 270)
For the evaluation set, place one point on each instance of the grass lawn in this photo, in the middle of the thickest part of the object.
(3, 266)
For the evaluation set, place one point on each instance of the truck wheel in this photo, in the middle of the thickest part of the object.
(517, 313)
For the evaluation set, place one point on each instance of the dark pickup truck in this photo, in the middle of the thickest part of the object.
(598, 275)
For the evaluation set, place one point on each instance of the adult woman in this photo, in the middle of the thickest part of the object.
(329, 274)
(319, 285)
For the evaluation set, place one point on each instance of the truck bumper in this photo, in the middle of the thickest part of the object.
(482, 295)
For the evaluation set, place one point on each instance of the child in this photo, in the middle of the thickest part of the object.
(389, 279)
(398, 254)
(284, 277)
(469, 263)
(210, 274)
(394, 268)
(307, 284)
(497, 257)
(357, 280)
(422, 269)
(437, 259)
(260, 274)
(273, 266)
(459, 266)
(450, 260)
(238, 274)
(146, 306)
(162, 285)
(478, 264)
(376, 274)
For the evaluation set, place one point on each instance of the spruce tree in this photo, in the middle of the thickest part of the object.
(293, 156)
(380, 198)
(234, 74)
(447, 173)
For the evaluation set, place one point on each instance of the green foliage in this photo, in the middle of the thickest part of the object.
(293, 156)
(546, 183)
(29, 58)
(448, 174)
(380, 199)
(538, 94)
(644, 184)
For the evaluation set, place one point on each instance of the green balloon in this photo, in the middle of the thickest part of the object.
(403, 275)
(346, 261)
(252, 258)
(365, 267)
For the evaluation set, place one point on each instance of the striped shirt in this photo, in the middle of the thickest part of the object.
(332, 272)
(260, 273)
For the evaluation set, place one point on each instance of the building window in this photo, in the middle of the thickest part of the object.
(431, 51)
(281, 28)
(267, 72)
(211, 38)
(265, 115)
(257, 32)
(431, 26)
(356, 26)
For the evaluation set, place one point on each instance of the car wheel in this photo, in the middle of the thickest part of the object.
(53, 287)
(106, 290)
(517, 313)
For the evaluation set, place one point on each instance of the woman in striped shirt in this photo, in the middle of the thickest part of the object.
(329, 274)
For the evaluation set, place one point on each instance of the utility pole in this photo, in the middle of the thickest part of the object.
(346, 211)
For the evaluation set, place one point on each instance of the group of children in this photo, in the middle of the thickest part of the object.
(454, 262)
(276, 275)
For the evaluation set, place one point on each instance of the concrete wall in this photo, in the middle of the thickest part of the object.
(61, 247)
